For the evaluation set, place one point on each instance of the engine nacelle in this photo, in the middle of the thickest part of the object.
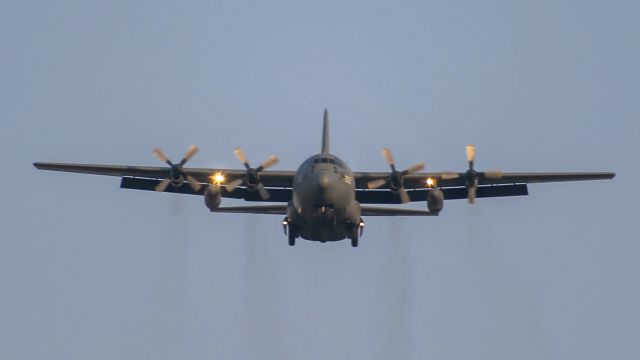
(435, 200)
(176, 182)
(212, 197)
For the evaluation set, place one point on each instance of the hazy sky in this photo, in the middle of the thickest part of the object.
(91, 271)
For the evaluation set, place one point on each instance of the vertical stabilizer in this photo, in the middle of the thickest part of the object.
(325, 133)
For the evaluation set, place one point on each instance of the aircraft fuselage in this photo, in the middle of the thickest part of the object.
(323, 206)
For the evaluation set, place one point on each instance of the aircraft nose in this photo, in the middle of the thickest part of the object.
(324, 181)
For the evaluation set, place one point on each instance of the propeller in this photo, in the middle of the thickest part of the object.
(177, 175)
(471, 176)
(396, 178)
(252, 176)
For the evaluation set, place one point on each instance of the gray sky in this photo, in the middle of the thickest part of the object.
(91, 271)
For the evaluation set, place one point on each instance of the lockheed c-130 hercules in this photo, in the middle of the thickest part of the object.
(321, 201)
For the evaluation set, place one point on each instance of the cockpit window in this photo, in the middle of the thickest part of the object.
(324, 161)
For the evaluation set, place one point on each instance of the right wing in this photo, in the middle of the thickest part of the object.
(268, 178)
(275, 194)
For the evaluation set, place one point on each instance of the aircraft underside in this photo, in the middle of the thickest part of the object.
(324, 224)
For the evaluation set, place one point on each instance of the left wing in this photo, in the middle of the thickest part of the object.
(458, 179)
(453, 193)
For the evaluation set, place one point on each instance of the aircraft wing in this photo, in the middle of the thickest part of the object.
(280, 182)
(457, 179)
(268, 178)
(285, 178)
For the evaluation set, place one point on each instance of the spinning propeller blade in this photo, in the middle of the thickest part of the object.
(396, 178)
(177, 175)
(162, 185)
(252, 176)
(473, 177)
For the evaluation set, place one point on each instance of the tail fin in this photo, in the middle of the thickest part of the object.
(325, 133)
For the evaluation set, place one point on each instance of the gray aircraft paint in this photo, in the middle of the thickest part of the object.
(323, 204)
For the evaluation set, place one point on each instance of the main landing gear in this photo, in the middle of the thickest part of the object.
(354, 237)
(356, 232)
(292, 237)
(291, 233)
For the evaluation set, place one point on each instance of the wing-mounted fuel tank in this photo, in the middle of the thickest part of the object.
(435, 200)
(212, 197)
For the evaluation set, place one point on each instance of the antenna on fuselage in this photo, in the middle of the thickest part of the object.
(325, 133)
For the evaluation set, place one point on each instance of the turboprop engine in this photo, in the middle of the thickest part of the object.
(435, 200)
(212, 197)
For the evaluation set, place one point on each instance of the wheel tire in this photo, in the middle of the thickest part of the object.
(354, 238)
(292, 236)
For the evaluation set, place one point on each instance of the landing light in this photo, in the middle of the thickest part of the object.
(430, 182)
(217, 179)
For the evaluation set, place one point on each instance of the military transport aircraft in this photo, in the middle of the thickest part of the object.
(321, 200)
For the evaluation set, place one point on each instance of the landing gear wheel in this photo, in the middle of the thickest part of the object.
(354, 237)
(292, 236)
